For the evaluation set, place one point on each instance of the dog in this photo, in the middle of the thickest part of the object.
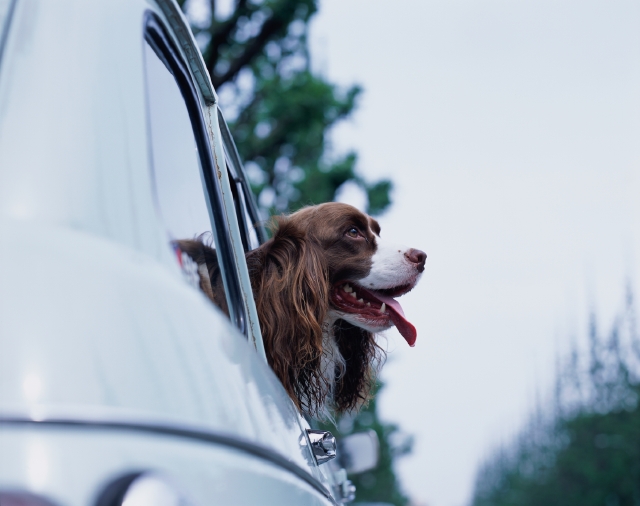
(325, 284)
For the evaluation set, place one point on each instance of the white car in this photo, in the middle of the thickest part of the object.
(120, 382)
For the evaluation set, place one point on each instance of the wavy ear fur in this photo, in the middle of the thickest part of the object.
(362, 359)
(290, 282)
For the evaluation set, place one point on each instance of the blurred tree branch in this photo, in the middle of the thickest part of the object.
(282, 112)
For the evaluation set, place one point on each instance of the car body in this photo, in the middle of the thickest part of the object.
(114, 369)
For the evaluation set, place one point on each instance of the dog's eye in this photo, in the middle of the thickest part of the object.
(353, 232)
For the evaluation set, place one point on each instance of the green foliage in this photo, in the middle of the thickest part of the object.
(281, 135)
(279, 111)
(379, 485)
(586, 452)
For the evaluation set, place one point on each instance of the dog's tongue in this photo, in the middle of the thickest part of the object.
(396, 313)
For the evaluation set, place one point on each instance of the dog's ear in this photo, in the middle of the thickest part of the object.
(291, 289)
(362, 359)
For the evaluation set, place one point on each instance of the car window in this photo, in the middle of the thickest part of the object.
(248, 226)
(180, 196)
(252, 227)
(175, 161)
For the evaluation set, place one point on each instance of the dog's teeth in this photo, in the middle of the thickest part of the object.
(383, 307)
(360, 301)
(353, 294)
(348, 289)
(368, 304)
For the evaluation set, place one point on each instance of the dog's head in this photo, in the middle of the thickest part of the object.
(324, 285)
(365, 273)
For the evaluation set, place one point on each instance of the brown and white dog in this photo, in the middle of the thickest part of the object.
(324, 285)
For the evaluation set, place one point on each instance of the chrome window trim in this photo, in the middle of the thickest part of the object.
(177, 431)
(240, 179)
(157, 37)
(182, 32)
(213, 123)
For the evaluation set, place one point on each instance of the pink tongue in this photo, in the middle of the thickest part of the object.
(405, 328)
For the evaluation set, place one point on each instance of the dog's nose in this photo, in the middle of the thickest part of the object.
(415, 256)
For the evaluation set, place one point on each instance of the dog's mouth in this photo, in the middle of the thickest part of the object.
(377, 307)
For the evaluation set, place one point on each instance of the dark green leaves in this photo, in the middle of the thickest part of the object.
(280, 111)
(586, 452)
(379, 485)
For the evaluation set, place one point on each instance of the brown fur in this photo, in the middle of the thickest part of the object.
(291, 275)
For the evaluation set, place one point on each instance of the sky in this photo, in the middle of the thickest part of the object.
(511, 131)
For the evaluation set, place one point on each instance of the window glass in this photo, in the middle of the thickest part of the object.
(176, 164)
(253, 240)
(177, 175)
(248, 232)
(252, 228)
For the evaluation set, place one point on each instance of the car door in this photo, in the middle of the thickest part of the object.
(110, 365)
(236, 222)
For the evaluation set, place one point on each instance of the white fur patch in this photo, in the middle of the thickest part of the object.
(390, 268)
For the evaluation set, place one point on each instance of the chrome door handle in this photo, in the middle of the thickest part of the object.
(323, 445)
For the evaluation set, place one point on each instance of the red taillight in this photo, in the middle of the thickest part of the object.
(23, 499)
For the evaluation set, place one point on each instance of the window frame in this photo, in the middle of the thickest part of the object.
(243, 195)
(157, 36)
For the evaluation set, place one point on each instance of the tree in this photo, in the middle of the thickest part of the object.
(379, 485)
(586, 451)
(278, 109)
(279, 112)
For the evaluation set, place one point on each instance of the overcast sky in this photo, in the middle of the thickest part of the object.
(511, 131)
